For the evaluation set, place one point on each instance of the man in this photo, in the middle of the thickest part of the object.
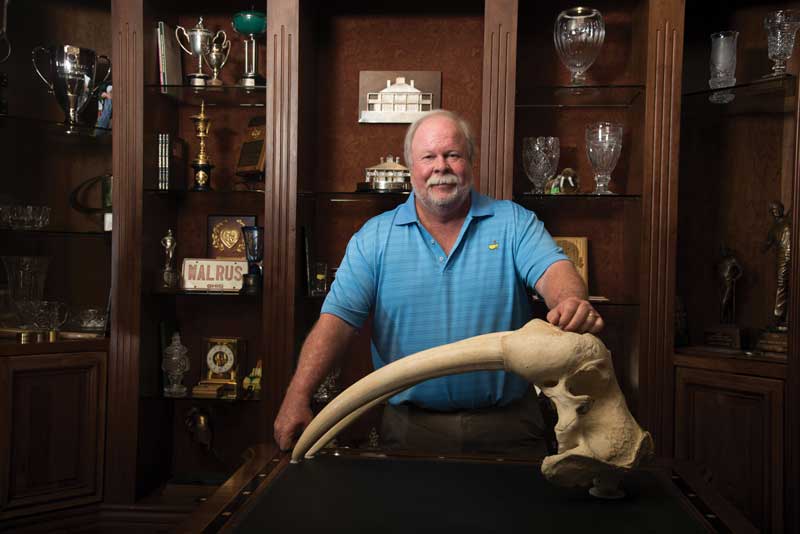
(446, 265)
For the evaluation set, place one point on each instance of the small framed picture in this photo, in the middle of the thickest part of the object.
(225, 239)
(577, 250)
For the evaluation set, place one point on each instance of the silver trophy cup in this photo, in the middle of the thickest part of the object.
(71, 77)
(199, 39)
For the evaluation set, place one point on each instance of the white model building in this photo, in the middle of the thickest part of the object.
(397, 102)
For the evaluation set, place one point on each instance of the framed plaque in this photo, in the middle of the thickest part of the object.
(225, 239)
(577, 250)
(251, 155)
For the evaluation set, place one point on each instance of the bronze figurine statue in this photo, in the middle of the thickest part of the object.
(780, 237)
(729, 270)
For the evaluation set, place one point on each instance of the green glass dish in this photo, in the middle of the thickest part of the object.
(250, 22)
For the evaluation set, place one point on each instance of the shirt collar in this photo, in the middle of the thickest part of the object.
(480, 206)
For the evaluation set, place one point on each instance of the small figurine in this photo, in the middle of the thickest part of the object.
(780, 237)
(729, 270)
(565, 183)
(168, 278)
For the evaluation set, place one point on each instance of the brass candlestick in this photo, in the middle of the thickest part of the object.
(201, 164)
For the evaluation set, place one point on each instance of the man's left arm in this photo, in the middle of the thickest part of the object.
(568, 299)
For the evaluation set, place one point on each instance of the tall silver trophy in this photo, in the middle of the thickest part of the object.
(71, 77)
(199, 39)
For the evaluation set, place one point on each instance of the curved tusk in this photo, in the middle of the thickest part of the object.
(474, 354)
(345, 422)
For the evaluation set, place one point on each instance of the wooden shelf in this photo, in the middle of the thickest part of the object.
(589, 96)
(216, 96)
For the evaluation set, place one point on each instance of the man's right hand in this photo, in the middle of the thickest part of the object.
(292, 419)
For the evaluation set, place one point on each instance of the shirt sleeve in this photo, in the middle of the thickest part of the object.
(535, 249)
(352, 293)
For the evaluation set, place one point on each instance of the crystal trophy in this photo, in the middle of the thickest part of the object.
(578, 34)
(781, 28)
(722, 66)
(540, 158)
(175, 363)
(250, 24)
(603, 146)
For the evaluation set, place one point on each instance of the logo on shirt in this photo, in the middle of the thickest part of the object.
(494, 245)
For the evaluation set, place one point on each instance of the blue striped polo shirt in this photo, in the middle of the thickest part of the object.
(420, 297)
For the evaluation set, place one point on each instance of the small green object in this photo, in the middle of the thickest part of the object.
(250, 22)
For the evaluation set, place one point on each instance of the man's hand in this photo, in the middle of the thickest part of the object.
(566, 296)
(292, 419)
(574, 314)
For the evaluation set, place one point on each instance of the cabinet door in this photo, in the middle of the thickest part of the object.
(53, 421)
(733, 425)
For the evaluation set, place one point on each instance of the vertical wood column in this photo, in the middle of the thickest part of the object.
(659, 216)
(280, 213)
(499, 86)
(792, 416)
(126, 263)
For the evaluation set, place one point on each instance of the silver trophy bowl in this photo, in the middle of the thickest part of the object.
(71, 75)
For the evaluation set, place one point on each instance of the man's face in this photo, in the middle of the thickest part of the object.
(440, 173)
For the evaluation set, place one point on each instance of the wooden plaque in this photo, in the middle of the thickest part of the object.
(577, 250)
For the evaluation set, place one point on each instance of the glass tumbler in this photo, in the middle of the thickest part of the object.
(722, 65)
(781, 28)
(578, 36)
(26, 276)
(540, 160)
(603, 146)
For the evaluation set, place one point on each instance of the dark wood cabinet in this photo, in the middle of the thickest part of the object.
(733, 425)
(52, 442)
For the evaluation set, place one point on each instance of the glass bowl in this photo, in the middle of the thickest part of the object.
(28, 217)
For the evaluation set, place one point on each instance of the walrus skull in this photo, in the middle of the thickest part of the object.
(598, 438)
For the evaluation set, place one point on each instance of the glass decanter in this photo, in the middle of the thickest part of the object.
(578, 36)
(175, 363)
(603, 146)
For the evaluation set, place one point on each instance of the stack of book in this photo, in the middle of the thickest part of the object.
(171, 160)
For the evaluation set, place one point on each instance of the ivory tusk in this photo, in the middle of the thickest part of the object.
(474, 354)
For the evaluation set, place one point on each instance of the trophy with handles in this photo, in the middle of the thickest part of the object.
(216, 56)
(199, 39)
(71, 75)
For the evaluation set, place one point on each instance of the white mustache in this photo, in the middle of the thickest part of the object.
(445, 179)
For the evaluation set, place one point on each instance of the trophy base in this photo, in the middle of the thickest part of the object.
(775, 342)
(214, 82)
(198, 79)
(726, 336)
(202, 176)
(252, 80)
(251, 284)
(168, 279)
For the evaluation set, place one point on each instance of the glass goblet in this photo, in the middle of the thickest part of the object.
(540, 159)
(603, 145)
(781, 28)
(578, 36)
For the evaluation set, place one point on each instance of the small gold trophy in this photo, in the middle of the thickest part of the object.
(201, 164)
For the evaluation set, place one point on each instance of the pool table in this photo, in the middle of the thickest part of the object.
(352, 491)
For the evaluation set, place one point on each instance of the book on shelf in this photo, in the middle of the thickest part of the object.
(169, 56)
(171, 160)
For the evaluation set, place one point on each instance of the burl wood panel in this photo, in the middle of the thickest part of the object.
(53, 421)
(411, 37)
(733, 426)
